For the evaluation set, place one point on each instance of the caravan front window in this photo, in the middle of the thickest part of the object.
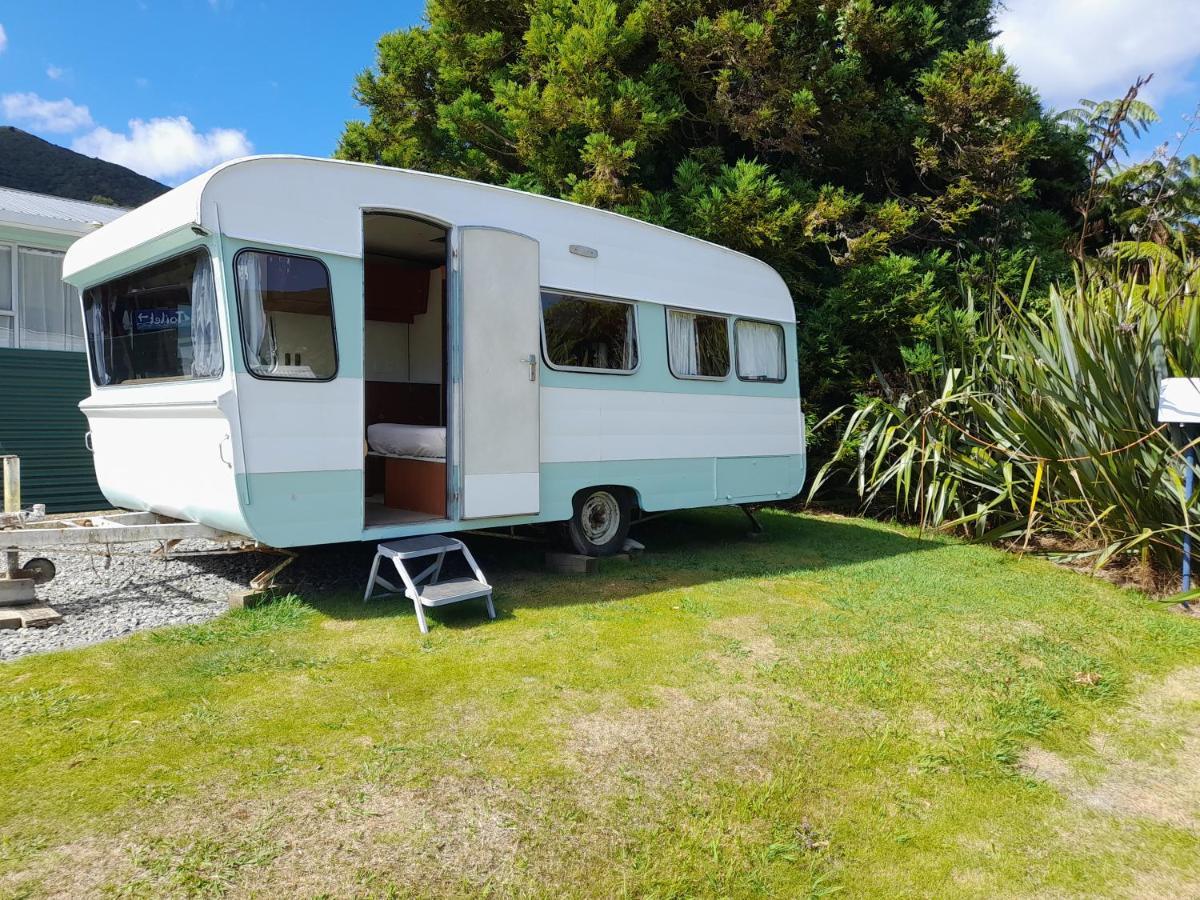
(286, 309)
(590, 334)
(158, 324)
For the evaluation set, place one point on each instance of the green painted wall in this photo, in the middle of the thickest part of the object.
(40, 422)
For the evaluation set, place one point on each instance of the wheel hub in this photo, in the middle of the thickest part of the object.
(600, 517)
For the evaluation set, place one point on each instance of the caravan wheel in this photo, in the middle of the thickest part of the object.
(600, 522)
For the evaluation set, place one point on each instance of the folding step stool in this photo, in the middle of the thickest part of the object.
(425, 588)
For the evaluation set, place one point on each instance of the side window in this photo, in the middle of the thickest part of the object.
(697, 345)
(286, 311)
(586, 333)
(760, 352)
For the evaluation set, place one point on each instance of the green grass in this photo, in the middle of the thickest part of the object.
(843, 708)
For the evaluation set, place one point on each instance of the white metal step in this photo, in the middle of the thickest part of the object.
(451, 591)
(426, 587)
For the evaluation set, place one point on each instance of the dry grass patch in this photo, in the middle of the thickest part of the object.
(1162, 785)
(643, 752)
(452, 836)
(747, 639)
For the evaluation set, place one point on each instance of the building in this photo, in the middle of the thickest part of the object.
(43, 366)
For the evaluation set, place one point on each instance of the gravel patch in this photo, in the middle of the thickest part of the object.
(101, 598)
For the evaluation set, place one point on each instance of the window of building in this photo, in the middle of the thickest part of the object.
(157, 324)
(8, 312)
(286, 307)
(37, 311)
(589, 334)
(49, 317)
(760, 351)
(697, 345)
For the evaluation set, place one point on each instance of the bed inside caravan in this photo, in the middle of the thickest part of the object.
(404, 293)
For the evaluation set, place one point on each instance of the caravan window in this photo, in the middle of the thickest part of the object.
(697, 345)
(286, 308)
(588, 334)
(760, 353)
(158, 324)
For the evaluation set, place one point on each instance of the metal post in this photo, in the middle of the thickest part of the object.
(12, 506)
(12, 484)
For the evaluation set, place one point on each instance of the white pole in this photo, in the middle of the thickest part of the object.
(12, 484)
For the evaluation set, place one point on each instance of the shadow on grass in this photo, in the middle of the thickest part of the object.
(682, 549)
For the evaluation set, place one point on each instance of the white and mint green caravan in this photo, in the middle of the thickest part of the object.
(306, 351)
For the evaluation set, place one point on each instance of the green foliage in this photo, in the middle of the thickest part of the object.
(1040, 418)
(1093, 118)
(847, 144)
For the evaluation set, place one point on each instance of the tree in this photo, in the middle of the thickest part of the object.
(874, 151)
(1133, 210)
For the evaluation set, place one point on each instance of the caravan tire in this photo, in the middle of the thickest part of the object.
(600, 521)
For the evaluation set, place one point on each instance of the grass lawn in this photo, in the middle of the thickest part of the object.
(842, 708)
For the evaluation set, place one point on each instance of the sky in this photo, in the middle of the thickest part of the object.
(172, 87)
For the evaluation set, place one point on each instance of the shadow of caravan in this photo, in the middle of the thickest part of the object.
(309, 351)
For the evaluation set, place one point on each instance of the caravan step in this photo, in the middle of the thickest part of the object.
(452, 591)
(426, 587)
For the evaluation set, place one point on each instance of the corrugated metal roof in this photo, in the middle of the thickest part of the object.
(42, 424)
(58, 213)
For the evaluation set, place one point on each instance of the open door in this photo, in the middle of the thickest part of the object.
(500, 410)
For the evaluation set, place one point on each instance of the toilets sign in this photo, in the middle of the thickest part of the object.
(162, 319)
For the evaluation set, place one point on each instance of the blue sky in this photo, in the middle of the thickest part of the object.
(171, 87)
(260, 75)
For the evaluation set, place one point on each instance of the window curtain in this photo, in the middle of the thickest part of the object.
(6, 262)
(101, 339)
(629, 349)
(49, 313)
(760, 351)
(206, 330)
(252, 276)
(6, 301)
(682, 343)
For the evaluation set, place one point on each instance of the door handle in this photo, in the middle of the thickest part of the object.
(221, 450)
(531, 361)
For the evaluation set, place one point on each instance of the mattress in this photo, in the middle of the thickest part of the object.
(411, 441)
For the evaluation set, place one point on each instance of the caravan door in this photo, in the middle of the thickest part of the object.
(499, 412)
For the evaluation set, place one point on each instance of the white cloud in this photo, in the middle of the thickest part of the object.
(3, 39)
(58, 116)
(1070, 49)
(54, 73)
(167, 148)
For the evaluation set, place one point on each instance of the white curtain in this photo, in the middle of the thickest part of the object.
(6, 263)
(760, 353)
(6, 300)
(252, 275)
(102, 339)
(49, 310)
(206, 331)
(629, 350)
(682, 345)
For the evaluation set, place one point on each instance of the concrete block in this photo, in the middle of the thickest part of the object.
(572, 563)
(16, 591)
(250, 598)
(38, 616)
(9, 618)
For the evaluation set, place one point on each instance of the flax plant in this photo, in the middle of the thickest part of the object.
(1036, 421)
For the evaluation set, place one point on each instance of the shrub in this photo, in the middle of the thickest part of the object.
(1029, 418)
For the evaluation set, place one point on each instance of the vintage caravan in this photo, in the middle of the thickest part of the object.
(309, 351)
